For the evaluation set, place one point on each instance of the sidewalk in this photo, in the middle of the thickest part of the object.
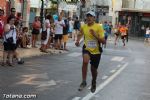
(30, 52)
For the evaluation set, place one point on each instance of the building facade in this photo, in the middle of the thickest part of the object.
(101, 8)
(134, 13)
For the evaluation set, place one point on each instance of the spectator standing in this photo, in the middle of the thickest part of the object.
(50, 40)
(9, 41)
(16, 54)
(147, 35)
(36, 31)
(47, 29)
(76, 28)
(65, 34)
(70, 27)
(59, 24)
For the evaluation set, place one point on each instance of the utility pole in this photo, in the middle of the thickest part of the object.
(134, 3)
(42, 14)
(57, 7)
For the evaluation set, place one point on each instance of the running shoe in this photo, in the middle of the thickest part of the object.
(93, 86)
(82, 86)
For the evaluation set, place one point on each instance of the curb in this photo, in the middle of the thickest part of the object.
(27, 53)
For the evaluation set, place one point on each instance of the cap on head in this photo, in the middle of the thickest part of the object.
(91, 13)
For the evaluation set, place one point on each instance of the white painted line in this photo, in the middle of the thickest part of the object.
(47, 84)
(146, 94)
(119, 66)
(112, 71)
(104, 77)
(75, 54)
(76, 98)
(116, 58)
(116, 50)
(89, 87)
(105, 83)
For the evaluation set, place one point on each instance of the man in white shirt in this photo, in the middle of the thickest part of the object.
(59, 32)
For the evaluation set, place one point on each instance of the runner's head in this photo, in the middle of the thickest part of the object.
(90, 17)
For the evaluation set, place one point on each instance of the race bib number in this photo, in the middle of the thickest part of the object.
(91, 44)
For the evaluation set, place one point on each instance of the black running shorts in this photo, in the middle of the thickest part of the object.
(94, 58)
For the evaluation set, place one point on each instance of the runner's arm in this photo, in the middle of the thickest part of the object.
(79, 36)
(100, 39)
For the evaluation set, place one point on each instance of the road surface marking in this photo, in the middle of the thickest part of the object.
(116, 50)
(119, 66)
(76, 98)
(47, 83)
(146, 94)
(117, 58)
(105, 83)
(112, 71)
(31, 80)
(104, 77)
(75, 54)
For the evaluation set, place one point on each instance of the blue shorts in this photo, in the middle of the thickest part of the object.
(147, 36)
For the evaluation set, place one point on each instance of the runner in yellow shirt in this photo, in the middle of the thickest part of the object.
(93, 36)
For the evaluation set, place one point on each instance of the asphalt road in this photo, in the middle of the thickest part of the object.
(123, 75)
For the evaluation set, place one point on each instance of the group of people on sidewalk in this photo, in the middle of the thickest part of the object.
(53, 35)
(56, 31)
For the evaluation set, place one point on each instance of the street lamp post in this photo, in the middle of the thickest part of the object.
(58, 7)
(134, 3)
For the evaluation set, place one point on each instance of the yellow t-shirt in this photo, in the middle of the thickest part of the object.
(90, 41)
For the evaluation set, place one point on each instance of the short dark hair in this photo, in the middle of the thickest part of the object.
(48, 17)
(2, 10)
(13, 9)
(10, 17)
